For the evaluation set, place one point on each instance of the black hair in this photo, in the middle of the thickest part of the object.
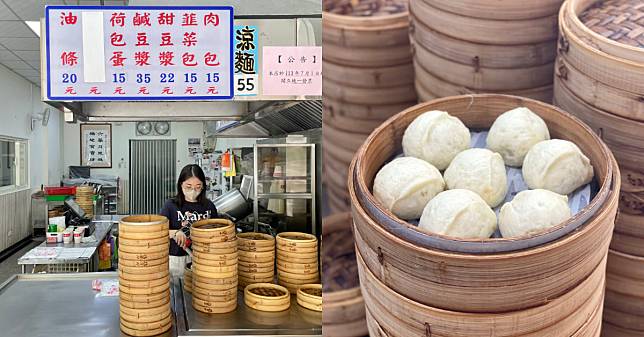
(188, 172)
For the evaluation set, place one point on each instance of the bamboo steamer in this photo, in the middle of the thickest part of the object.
(487, 31)
(561, 316)
(294, 259)
(142, 263)
(501, 9)
(363, 111)
(296, 239)
(144, 280)
(632, 181)
(601, 65)
(632, 203)
(430, 87)
(255, 255)
(254, 270)
(365, 41)
(620, 134)
(313, 276)
(214, 267)
(291, 249)
(267, 297)
(310, 296)
(360, 126)
(454, 274)
(477, 77)
(631, 225)
(343, 93)
(602, 96)
(245, 264)
(350, 140)
(259, 242)
(485, 55)
(372, 78)
(343, 305)
(610, 330)
(297, 268)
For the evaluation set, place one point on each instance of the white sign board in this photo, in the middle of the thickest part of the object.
(139, 53)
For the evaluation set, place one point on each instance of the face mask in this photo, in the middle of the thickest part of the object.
(191, 195)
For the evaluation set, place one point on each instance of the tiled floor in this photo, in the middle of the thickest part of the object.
(10, 266)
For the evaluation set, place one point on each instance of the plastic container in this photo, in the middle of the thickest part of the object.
(52, 190)
(78, 236)
(68, 235)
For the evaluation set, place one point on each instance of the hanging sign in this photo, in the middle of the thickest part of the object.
(292, 71)
(246, 61)
(139, 53)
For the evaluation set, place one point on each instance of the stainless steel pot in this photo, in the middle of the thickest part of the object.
(234, 204)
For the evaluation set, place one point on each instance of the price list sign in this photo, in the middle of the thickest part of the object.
(139, 53)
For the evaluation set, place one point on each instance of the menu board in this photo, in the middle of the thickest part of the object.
(292, 71)
(139, 53)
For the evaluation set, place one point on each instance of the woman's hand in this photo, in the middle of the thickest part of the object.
(181, 239)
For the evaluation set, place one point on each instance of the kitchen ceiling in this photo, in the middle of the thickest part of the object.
(19, 45)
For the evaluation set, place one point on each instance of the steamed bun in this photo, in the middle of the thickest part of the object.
(481, 171)
(405, 185)
(556, 165)
(436, 137)
(532, 211)
(459, 213)
(514, 133)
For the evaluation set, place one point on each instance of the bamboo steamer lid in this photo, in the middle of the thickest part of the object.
(145, 333)
(142, 263)
(143, 243)
(267, 297)
(146, 298)
(214, 263)
(252, 270)
(145, 284)
(145, 305)
(148, 326)
(142, 277)
(143, 224)
(165, 247)
(311, 293)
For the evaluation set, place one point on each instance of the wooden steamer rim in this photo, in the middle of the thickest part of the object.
(392, 130)
(576, 7)
(502, 9)
(267, 300)
(148, 327)
(145, 284)
(253, 239)
(145, 223)
(309, 297)
(222, 226)
(297, 239)
(142, 263)
(145, 333)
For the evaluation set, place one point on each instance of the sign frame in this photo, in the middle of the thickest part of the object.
(150, 98)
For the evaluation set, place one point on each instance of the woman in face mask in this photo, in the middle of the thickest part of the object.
(188, 206)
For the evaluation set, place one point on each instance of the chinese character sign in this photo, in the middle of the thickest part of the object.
(139, 53)
(245, 61)
(96, 145)
(292, 71)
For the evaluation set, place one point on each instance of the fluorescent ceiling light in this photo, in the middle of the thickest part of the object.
(35, 26)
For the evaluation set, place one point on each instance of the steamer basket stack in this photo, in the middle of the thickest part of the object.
(214, 266)
(144, 277)
(483, 46)
(600, 79)
(256, 258)
(297, 260)
(368, 77)
(420, 284)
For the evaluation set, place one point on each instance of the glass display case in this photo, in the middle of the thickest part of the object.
(285, 186)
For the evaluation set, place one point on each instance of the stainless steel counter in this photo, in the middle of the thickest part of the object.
(297, 321)
(103, 224)
(64, 305)
(59, 305)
